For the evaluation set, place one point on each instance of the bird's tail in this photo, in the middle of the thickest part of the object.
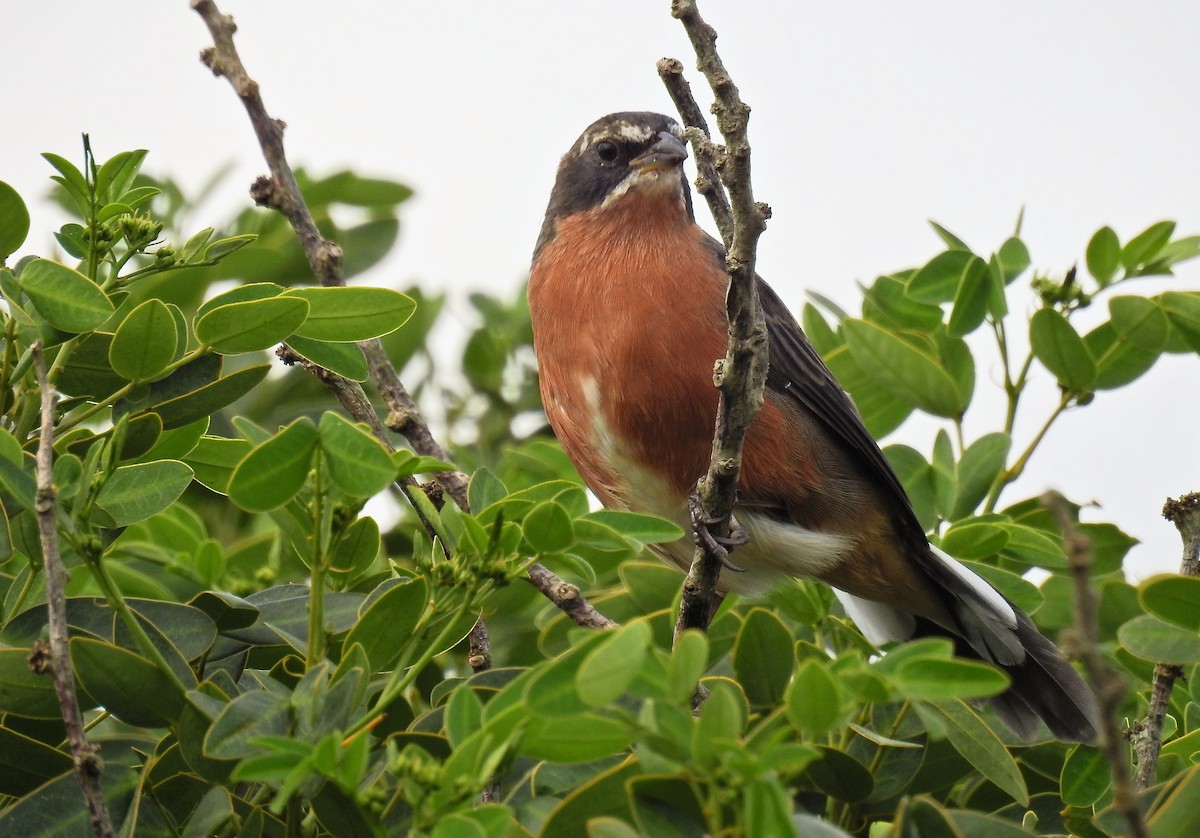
(990, 628)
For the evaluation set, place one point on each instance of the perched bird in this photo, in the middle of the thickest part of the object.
(627, 295)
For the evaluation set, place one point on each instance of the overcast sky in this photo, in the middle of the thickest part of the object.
(869, 119)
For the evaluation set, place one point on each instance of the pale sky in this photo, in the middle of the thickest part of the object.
(869, 119)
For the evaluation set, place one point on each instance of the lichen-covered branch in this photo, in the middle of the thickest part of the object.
(87, 757)
(741, 375)
(567, 597)
(1109, 688)
(1184, 513)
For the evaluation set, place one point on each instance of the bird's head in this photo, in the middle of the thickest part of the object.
(621, 157)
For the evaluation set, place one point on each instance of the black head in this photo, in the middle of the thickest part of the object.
(617, 153)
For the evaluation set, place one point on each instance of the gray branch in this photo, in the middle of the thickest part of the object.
(88, 766)
(741, 375)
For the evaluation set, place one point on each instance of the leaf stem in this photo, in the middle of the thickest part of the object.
(1013, 472)
(315, 647)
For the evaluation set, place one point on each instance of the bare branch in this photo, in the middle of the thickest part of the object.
(567, 597)
(708, 182)
(1184, 513)
(281, 192)
(87, 758)
(741, 375)
(1108, 687)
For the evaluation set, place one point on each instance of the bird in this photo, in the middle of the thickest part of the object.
(627, 301)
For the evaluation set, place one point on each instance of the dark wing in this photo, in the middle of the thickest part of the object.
(797, 370)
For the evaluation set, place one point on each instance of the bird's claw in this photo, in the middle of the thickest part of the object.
(717, 546)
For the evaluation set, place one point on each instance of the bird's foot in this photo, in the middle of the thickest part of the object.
(715, 545)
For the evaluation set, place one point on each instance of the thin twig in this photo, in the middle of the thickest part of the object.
(741, 375)
(567, 597)
(1184, 513)
(281, 192)
(88, 765)
(1108, 687)
(708, 182)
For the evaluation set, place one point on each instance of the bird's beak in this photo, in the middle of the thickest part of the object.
(666, 153)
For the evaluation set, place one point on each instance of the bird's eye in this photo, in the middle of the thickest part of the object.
(607, 151)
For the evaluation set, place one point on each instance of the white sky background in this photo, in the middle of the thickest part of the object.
(869, 118)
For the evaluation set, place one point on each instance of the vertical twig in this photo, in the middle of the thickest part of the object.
(1184, 513)
(281, 192)
(741, 375)
(87, 759)
(1109, 688)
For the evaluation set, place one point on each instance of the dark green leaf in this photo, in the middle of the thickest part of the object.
(14, 221)
(970, 300)
(940, 279)
(129, 686)
(1183, 310)
(980, 746)
(1085, 776)
(1140, 321)
(916, 476)
(213, 460)
(346, 359)
(940, 679)
(249, 716)
(389, 622)
(548, 528)
(57, 810)
(208, 399)
(1118, 361)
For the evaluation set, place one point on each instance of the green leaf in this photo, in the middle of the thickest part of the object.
(485, 489)
(14, 221)
(352, 313)
(1183, 310)
(117, 173)
(688, 661)
(666, 807)
(66, 298)
(1104, 255)
(916, 476)
(881, 412)
(970, 300)
(221, 248)
(1175, 811)
(1013, 257)
(951, 241)
(548, 528)
(1085, 776)
(135, 492)
(213, 460)
(273, 473)
(358, 463)
(26, 763)
(813, 701)
(1060, 348)
(941, 679)
(388, 621)
(1174, 598)
(72, 179)
(22, 692)
(249, 716)
(1140, 321)
(252, 325)
(980, 746)
(129, 686)
(145, 342)
(346, 359)
(608, 670)
(904, 370)
(1118, 360)
(239, 294)
(356, 548)
(56, 809)
(642, 529)
(575, 738)
(207, 400)
(763, 657)
(1155, 640)
(600, 796)
(983, 460)
(939, 281)
(1146, 245)
(888, 304)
